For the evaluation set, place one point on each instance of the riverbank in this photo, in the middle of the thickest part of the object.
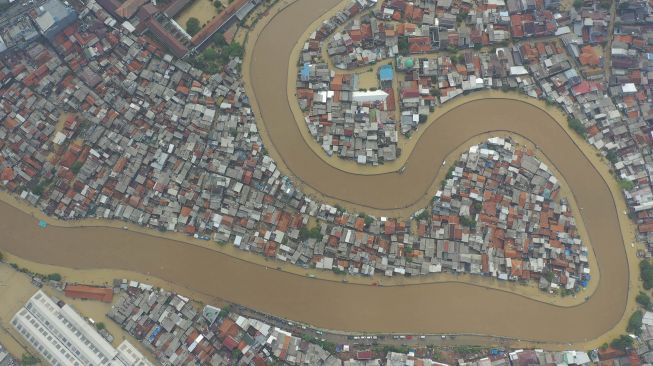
(228, 252)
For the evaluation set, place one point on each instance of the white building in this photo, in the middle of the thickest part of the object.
(63, 337)
(369, 96)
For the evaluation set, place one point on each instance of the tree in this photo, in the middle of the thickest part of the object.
(461, 17)
(218, 39)
(28, 359)
(644, 300)
(100, 326)
(646, 273)
(467, 221)
(313, 233)
(577, 126)
(235, 354)
(76, 167)
(192, 26)
(612, 156)
(235, 50)
(622, 342)
(54, 277)
(424, 215)
(403, 46)
(578, 4)
(635, 323)
(2, 257)
(626, 184)
(210, 54)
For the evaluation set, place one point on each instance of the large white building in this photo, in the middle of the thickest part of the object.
(64, 338)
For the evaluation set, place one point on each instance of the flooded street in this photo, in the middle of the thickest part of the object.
(419, 308)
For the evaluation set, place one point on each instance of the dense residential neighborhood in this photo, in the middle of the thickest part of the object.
(107, 112)
(99, 121)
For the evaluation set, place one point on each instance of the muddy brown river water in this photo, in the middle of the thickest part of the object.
(424, 308)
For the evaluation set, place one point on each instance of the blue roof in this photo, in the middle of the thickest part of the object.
(386, 73)
(306, 72)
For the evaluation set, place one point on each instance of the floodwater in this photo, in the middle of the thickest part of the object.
(423, 308)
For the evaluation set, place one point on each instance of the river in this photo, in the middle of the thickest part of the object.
(423, 308)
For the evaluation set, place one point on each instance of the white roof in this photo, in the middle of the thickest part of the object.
(62, 326)
(629, 88)
(518, 70)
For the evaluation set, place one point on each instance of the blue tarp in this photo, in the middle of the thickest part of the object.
(43, 224)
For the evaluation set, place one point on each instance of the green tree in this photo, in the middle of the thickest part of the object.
(644, 300)
(313, 233)
(368, 221)
(646, 273)
(622, 342)
(403, 46)
(76, 167)
(218, 39)
(577, 126)
(210, 54)
(635, 323)
(54, 277)
(2, 257)
(192, 26)
(28, 359)
(467, 221)
(578, 4)
(235, 50)
(235, 354)
(100, 326)
(626, 184)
